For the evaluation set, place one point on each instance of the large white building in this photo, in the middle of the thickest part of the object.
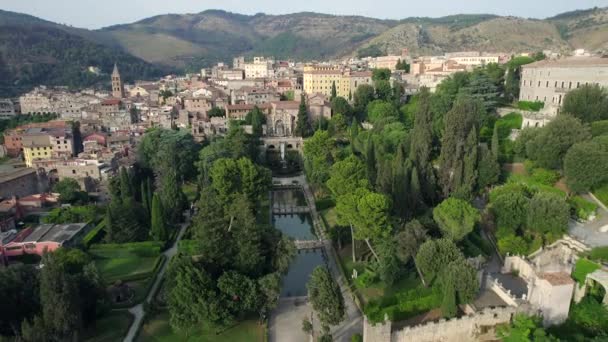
(549, 81)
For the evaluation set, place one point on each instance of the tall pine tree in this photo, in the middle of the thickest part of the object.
(422, 144)
(126, 191)
(302, 125)
(334, 92)
(158, 229)
(370, 161)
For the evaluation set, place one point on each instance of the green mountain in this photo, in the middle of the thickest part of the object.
(35, 52)
(51, 53)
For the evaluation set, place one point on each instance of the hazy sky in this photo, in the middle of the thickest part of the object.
(100, 13)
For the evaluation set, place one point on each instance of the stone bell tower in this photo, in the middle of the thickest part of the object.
(117, 89)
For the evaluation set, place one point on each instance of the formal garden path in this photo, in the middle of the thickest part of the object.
(138, 310)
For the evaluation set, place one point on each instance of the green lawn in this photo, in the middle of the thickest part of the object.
(112, 327)
(533, 183)
(157, 329)
(602, 193)
(125, 268)
(126, 261)
(582, 268)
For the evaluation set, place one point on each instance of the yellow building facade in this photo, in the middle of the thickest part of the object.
(36, 153)
(320, 80)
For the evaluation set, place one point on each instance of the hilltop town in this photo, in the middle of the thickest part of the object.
(459, 196)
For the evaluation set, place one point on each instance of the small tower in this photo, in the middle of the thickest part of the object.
(117, 89)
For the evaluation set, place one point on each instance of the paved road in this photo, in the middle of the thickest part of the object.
(138, 310)
(591, 232)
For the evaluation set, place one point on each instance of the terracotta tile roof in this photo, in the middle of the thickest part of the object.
(286, 104)
(571, 62)
(110, 102)
(557, 278)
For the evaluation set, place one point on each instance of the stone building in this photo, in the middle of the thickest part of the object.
(22, 182)
(320, 79)
(282, 119)
(549, 81)
(7, 109)
(36, 101)
(117, 87)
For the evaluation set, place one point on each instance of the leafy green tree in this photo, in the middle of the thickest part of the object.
(523, 328)
(389, 266)
(434, 255)
(381, 74)
(340, 105)
(495, 142)
(409, 240)
(210, 229)
(401, 170)
(384, 91)
(318, 156)
(194, 299)
(456, 218)
(337, 124)
(586, 165)
(512, 81)
(379, 109)
(488, 169)
(270, 289)
(510, 209)
(231, 177)
(483, 89)
(158, 228)
(70, 192)
(241, 289)
(513, 244)
(126, 190)
(256, 119)
(460, 285)
(347, 212)
(60, 301)
(591, 315)
(20, 286)
(548, 213)
(469, 168)
(346, 176)
(172, 197)
(247, 236)
(126, 222)
(216, 112)
(373, 223)
(302, 124)
(550, 144)
(364, 94)
(588, 103)
(325, 296)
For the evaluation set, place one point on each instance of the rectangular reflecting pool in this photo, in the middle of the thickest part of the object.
(288, 198)
(294, 282)
(296, 226)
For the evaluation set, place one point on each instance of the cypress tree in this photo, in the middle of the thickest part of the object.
(468, 183)
(495, 142)
(126, 192)
(414, 194)
(400, 183)
(159, 229)
(370, 161)
(149, 191)
(144, 197)
(448, 303)
(384, 180)
(459, 122)
(302, 128)
(422, 144)
(334, 92)
(488, 169)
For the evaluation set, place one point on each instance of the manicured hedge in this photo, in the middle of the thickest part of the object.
(533, 106)
(599, 128)
(95, 234)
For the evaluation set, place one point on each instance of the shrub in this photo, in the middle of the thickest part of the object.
(599, 128)
(582, 268)
(533, 106)
(356, 338)
(599, 254)
(581, 208)
(544, 176)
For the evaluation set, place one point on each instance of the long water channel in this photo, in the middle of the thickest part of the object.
(298, 227)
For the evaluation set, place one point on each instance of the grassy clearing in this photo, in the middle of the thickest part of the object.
(157, 328)
(112, 327)
(126, 261)
(582, 268)
(533, 183)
